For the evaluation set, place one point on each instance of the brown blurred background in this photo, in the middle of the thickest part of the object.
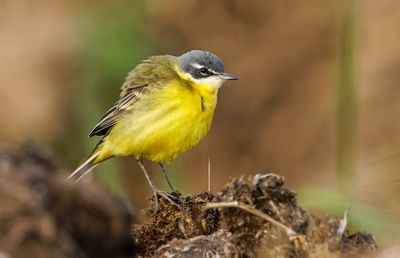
(317, 100)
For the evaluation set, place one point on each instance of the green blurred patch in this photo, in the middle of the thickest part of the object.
(362, 217)
(346, 95)
(114, 38)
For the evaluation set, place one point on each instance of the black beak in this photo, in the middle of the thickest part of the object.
(227, 76)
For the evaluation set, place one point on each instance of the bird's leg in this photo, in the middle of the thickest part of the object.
(157, 192)
(166, 176)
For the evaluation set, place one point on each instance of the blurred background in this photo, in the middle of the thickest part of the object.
(317, 100)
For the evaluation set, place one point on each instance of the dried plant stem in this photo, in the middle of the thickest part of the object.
(290, 232)
(343, 224)
(209, 175)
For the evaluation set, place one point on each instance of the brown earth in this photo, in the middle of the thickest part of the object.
(44, 215)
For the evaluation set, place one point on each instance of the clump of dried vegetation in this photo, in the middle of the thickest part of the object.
(43, 215)
(253, 216)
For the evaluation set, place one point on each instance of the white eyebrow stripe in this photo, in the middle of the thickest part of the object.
(198, 66)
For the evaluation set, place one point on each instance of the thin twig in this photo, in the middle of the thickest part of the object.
(209, 175)
(290, 232)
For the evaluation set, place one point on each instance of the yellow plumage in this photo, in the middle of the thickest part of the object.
(166, 122)
(166, 107)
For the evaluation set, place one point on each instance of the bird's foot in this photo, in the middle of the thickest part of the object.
(172, 199)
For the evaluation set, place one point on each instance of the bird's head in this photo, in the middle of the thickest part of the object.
(203, 67)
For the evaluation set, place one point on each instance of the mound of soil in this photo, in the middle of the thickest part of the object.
(243, 232)
(44, 215)
(169, 223)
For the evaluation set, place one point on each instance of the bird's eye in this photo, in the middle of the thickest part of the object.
(203, 70)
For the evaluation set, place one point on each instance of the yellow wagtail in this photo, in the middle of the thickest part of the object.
(166, 106)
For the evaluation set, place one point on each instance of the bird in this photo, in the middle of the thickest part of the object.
(166, 106)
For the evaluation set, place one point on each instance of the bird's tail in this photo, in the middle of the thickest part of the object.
(84, 169)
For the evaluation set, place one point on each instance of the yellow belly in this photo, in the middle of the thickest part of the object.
(163, 123)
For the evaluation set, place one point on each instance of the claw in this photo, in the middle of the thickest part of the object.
(169, 197)
(173, 200)
(156, 191)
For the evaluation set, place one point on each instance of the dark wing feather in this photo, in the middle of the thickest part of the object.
(153, 72)
(114, 113)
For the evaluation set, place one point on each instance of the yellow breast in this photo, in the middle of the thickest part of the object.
(164, 123)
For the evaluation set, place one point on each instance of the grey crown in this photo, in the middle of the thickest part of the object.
(208, 60)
